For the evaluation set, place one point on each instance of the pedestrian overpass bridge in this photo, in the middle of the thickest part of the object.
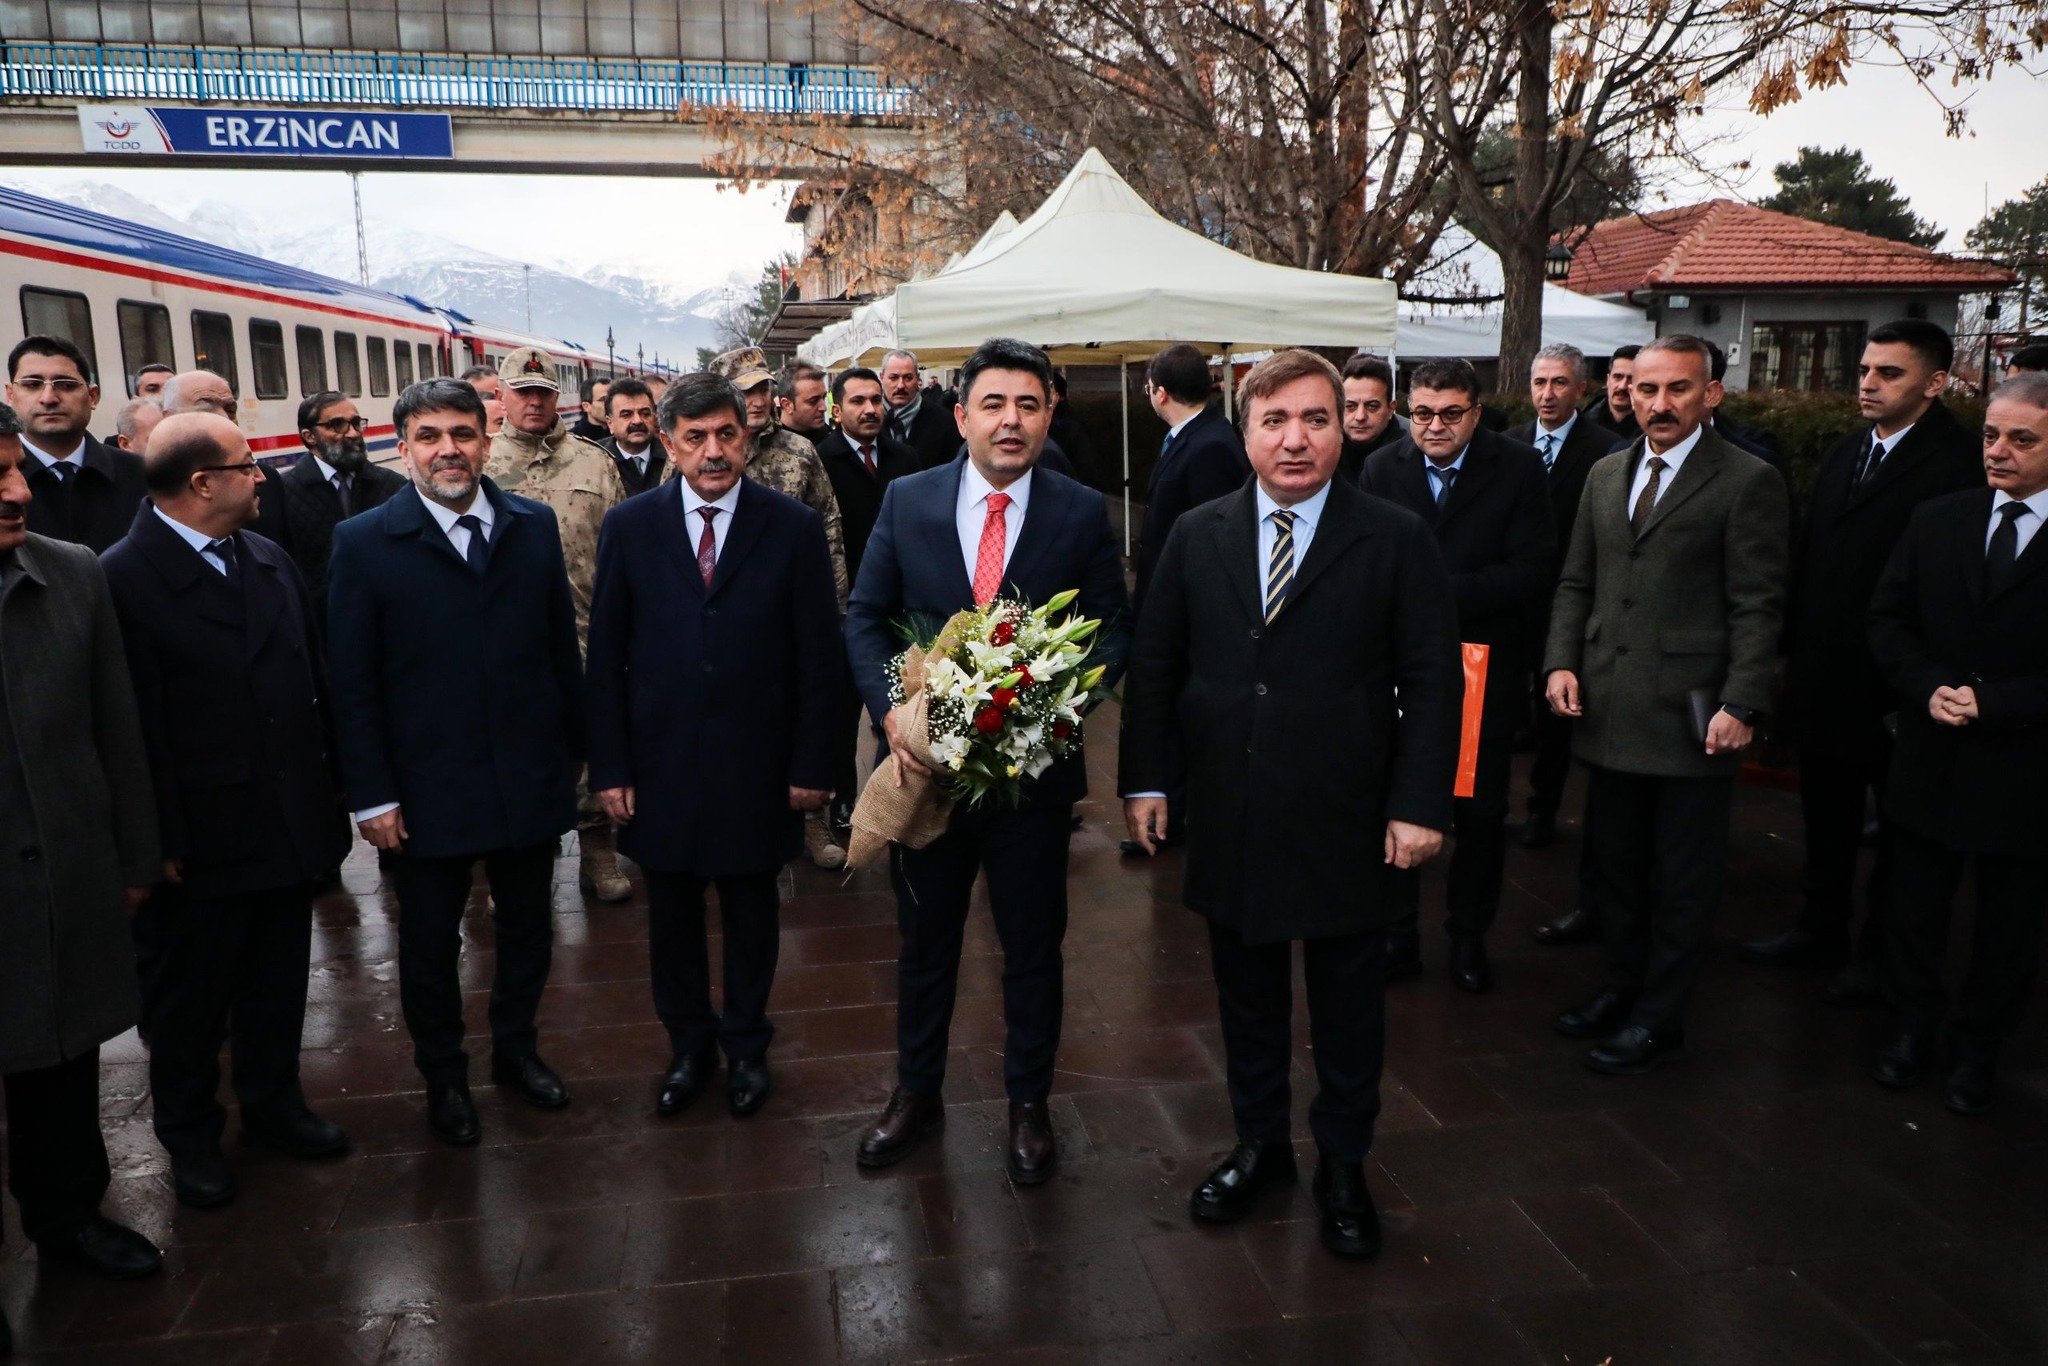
(532, 86)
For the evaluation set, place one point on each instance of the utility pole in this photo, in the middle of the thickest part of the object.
(355, 181)
(610, 367)
(526, 273)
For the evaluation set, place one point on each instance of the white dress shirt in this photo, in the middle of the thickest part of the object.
(76, 459)
(1306, 514)
(1672, 459)
(1557, 438)
(971, 511)
(721, 525)
(2024, 525)
(198, 540)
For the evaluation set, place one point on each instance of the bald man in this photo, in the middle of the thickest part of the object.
(198, 391)
(231, 688)
(134, 422)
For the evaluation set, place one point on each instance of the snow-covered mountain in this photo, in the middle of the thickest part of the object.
(641, 315)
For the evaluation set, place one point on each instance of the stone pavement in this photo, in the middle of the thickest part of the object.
(1761, 1202)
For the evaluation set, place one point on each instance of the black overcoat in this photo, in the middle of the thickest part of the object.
(1204, 460)
(859, 492)
(96, 506)
(1288, 738)
(300, 509)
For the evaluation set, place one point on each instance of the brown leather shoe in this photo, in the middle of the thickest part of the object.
(905, 1121)
(1033, 1154)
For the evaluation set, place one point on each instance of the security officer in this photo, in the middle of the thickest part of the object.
(537, 457)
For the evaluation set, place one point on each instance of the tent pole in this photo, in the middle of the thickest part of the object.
(1123, 373)
(1229, 385)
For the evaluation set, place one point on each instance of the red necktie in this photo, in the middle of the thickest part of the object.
(707, 547)
(988, 561)
(867, 457)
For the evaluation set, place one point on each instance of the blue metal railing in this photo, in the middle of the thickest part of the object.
(385, 79)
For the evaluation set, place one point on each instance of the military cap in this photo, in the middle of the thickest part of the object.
(528, 368)
(745, 367)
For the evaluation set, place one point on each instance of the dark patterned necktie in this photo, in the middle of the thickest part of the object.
(2004, 551)
(1646, 501)
(707, 546)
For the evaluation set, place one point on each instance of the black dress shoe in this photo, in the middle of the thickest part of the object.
(451, 1115)
(1350, 1225)
(1598, 1017)
(100, 1245)
(203, 1180)
(747, 1085)
(1033, 1154)
(1539, 831)
(1404, 954)
(1795, 949)
(1902, 1062)
(1635, 1049)
(533, 1079)
(1227, 1193)
(1972, 1081)
(1469, 969)
(298, 1134)
(1853, 986)
(1575, 926)
(685, 1080)
(904, 1122)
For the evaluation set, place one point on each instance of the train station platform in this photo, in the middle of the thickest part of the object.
(1762, 1201)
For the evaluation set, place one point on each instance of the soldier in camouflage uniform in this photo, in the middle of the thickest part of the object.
(536, 457)
(781, 460)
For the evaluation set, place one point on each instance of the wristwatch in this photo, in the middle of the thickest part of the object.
(1748, 716)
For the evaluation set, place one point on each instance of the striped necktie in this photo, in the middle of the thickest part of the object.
(1280, 565)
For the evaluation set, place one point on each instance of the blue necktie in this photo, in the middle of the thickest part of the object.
(1443, 478)
(474, 526)
(224, 550)
(1549, 450)
(64, 469)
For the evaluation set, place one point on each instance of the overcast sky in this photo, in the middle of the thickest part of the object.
(690, 233)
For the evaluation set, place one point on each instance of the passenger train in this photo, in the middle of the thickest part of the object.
(131, 296)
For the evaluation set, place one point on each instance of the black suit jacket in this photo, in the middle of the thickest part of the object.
(457, 695)
(1498, 542)
(300, 509)
(1934, 622)
(913, 572)
(1205, 460)
(1625, 428)
(229, 681)
(1351, 464)
(636, 481)
(97, 506)
(1838, 695)
(711, 703)
(1287, 735)
(859, 492)
(1583, 445)
(934, 435)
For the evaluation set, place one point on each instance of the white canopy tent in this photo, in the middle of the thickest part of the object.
(1595, 327)
(870, 331)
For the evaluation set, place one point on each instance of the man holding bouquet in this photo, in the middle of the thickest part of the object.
(1297, 672)
(986, 524)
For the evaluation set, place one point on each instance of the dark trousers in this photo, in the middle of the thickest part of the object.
(56, 1156)
(849, 728)
(432, 893)
(1661, 847)
(1552, 763)
(2005, 943)
(679, 959)
(230, 965)
(1472, 883)
(1025, 856)
(1832, 795)
(1346, 976)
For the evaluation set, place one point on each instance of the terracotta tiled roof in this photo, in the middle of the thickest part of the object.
(1723, 245)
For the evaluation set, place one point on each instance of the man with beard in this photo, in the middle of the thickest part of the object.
(917, 417)
(591, 424)
(82, 491)
(537, 457)
(332, 482)
(800, 400)
(635, 449)
(1369, 418)
(1614, 408)
(458, 703)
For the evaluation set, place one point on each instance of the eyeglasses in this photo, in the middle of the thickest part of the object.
(1450, 417)
(63, 384)
(343, 424)
(249, 466)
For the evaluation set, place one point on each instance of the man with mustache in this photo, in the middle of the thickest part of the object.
(1614, 406)
(1665, 625)
(79, 826)
(713, 684)
(1370, 421)
(332, 482)
(458, 702)
(635, 448)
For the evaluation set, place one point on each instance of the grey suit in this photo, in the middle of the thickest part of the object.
(77, 825)
(1696, 601)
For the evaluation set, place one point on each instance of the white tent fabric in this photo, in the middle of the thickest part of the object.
(1432, 330)
(1095, 276)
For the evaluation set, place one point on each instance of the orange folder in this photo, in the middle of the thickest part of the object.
(1475, 708)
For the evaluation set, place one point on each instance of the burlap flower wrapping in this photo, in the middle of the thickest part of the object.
(918, 811)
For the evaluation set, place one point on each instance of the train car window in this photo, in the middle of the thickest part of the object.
(348, 365)
(213, 346)
(312, 361)
(60, 313)
(145, 338)
(401, 365)
(426, 361)
(380, 366)
(266, 358)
